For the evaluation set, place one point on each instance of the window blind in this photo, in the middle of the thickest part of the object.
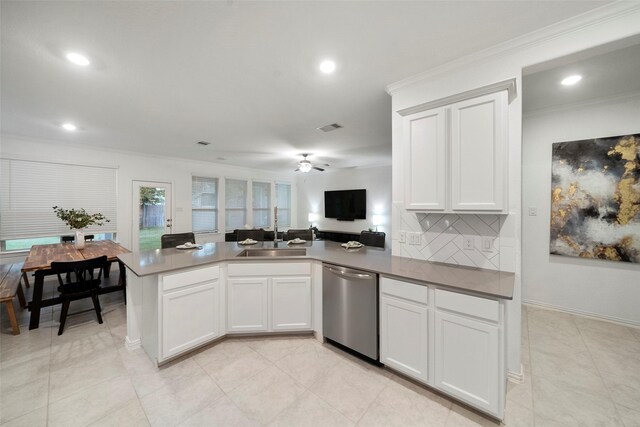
(261, 204)
(283, 202)
(204, 206)
(235, 203)
(29, 190)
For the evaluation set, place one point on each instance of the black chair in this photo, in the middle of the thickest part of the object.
(71, 239)
(257, 235)
(372, 238)
(304, 234)
(173, 240)
(86, 275)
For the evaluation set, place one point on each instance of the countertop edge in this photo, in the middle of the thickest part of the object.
(499, 275)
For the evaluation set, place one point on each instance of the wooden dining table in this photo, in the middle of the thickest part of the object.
(41, 256)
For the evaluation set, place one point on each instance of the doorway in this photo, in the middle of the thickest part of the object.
(152, 214)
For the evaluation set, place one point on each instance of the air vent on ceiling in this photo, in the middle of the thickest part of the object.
(203, 143)
(329, 128)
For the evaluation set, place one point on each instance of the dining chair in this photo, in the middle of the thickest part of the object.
(250, 234)
(304, 233)
(372, 238)
(86, 277)
(173, 240)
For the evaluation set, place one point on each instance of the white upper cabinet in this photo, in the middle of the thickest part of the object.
(425, 156)
(455, 156)
(478, 153)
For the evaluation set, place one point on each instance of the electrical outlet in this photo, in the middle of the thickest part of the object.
(402, 236)
(533, 211)
(414, 238)
(467, 242)
(487, 244)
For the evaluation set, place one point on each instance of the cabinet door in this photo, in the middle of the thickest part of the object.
(247, 305)
(291, 303)
(404, 337)
(479, 153)
(467, 361)
(425, 142)
(182, 331)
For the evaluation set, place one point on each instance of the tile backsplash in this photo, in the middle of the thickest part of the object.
(442, 237)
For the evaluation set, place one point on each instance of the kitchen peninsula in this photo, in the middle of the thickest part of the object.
(441, 324)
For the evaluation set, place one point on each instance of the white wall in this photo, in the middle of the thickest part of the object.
(595, 287)
(610, 23)
(135, 166)
(377, 182)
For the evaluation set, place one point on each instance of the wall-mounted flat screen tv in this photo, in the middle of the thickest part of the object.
(345, 205)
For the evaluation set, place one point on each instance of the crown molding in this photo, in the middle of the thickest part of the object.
(508, 85)
(620, 97)
(543, 35)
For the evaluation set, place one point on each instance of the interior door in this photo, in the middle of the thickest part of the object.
(152, 214)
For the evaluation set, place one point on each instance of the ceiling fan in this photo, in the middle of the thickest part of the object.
(305, 165)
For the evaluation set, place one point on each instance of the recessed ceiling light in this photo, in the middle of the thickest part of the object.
(78, 59)
(327, 66)
(571, 80)
(69, 126)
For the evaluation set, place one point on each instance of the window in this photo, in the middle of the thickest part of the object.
(235, 204)
(30, 189)
(261, 204)
(283, 202)
(204, 204)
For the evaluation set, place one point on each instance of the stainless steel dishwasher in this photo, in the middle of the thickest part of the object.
(350, 308)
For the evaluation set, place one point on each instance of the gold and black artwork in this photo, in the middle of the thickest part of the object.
(595, 198)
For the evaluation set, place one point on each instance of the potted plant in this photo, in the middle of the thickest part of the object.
(77, 220)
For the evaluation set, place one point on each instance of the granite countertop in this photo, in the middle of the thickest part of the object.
(497, 284)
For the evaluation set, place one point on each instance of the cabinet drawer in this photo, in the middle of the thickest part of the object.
(185, 278)
(269, 269)
(473, 306)
(405, 290)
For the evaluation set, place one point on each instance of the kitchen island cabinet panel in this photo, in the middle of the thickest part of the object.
(180, 332)
(248, 305)
(290, 303)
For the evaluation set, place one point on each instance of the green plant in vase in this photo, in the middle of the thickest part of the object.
(78, 219)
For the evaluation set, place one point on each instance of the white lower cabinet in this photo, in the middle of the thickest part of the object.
(272, 296)
(248, 305)
(198, 293)
(451, 341)
(290, 303)
(469, 350)
(404, 337)
(467, 360)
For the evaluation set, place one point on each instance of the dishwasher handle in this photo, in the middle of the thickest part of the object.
(351, 275)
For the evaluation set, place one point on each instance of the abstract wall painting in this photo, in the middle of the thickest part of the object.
(595, 198)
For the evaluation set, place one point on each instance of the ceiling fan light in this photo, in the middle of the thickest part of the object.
(305, 167)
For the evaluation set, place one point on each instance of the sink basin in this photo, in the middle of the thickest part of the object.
(273, 252)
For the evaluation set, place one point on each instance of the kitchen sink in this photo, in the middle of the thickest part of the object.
(273, 252)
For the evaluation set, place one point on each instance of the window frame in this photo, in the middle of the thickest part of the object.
(216, 210)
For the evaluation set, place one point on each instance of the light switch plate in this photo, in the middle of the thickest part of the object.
(402, 236)
(414, 238)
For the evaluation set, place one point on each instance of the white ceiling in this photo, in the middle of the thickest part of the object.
(608, 70)
(241, 75)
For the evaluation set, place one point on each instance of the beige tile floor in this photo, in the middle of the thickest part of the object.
(578, 372)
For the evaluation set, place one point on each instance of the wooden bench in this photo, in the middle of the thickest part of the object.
(10, 286)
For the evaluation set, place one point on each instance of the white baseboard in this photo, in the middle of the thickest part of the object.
(132, 344)
(612, 319)
(516, 377)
